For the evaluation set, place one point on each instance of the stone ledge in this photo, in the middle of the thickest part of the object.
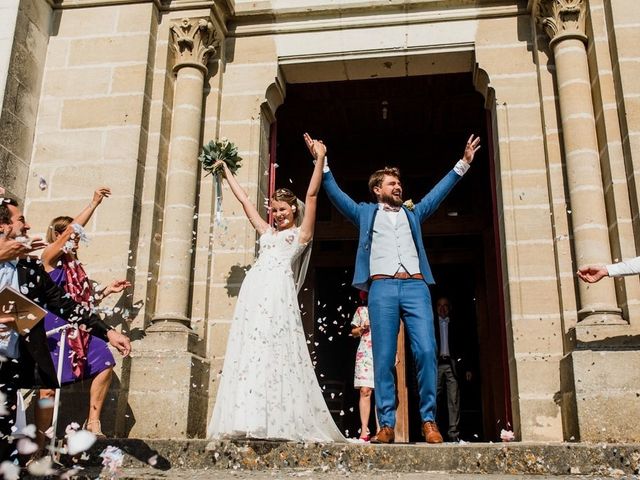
(471, 458)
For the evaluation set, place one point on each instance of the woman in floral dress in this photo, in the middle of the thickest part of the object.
(363, 374)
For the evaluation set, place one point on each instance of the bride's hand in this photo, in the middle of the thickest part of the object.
(220, 165)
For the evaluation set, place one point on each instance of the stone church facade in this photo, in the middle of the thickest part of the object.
(124, 92)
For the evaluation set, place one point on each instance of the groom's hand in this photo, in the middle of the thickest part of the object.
(473, 145)
(317, 149)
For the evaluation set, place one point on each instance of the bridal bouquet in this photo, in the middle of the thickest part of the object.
(223, 150)
(213, 151)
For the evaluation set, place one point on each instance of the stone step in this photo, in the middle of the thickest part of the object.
(206, 474)
(167, 457)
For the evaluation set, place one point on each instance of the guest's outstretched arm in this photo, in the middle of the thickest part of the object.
(319, 151)
(595, 273)
(249, 208)
(100, 194)
(55, 249)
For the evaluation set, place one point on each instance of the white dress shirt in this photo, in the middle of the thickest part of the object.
(8, 336)
(444, 336)
(626, 267)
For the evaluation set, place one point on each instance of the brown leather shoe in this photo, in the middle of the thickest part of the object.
(431, 432)
(385, 435)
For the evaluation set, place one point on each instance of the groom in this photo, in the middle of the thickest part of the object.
(392, 264)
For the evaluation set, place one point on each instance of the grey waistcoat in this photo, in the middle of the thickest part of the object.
(392, 246)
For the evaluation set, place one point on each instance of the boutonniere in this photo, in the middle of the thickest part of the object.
(409, 204)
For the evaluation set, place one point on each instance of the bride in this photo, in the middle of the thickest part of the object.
(268, 388)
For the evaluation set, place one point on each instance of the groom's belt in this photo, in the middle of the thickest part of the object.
(399, 275)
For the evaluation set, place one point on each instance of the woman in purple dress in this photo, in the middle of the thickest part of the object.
(84, 356)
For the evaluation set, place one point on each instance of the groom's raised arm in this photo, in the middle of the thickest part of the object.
(432, 200)
(343, 202)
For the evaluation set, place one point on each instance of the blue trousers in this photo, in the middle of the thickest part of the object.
(390, 299)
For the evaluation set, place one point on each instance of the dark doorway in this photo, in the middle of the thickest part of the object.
(419, 124)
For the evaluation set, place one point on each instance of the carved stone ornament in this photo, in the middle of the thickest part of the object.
(193, 41)
(562, 18)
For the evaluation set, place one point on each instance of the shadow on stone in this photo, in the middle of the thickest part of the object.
(235, 278)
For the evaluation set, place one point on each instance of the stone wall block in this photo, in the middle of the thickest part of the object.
(130, 78)
(537, 334)
(15, 135)
(136, 18)
(218, 334)
(241, 107)
(72, 83)
(518, 89)
(222, 301)
(534, 296)
(85, 22)
(605, 389)
(74, 147)
(529, 189)
(101, 112)
(627, 41)
(14, 172)
(95, 176)
(57, 53)
(534, 259)
(540, 418)
(539, 374)
(26, 68)
(179, 380)
(525, 154)
(112, 49)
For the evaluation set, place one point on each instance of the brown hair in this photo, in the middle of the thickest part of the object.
(57, 225)
(5, 214)
(286, 195)
(375, 180)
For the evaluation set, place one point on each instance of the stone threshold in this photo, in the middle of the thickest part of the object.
(517, 458)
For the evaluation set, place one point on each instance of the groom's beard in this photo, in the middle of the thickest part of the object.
(392, 200)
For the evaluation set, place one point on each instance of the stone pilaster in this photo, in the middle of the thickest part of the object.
(589, 376)
(564, 23)
(172, 354)
(192, 42)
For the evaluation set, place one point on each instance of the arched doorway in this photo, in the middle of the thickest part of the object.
(419, 124)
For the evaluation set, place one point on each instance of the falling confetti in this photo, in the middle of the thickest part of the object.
(9, 471)
(112, 458)
(507, 435)
(80, 441)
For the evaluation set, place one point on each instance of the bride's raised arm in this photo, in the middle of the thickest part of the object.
(318, 150)
(249, 208)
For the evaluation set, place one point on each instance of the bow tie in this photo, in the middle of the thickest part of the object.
(389, 208)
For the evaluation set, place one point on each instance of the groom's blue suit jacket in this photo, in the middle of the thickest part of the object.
(363, 214)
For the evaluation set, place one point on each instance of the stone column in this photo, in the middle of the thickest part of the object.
(564, 23)
(192, 42)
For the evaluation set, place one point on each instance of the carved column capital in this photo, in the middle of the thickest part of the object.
(193, 41)
(561, 18)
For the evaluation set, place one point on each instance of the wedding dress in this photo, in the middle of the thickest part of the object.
(268, 388)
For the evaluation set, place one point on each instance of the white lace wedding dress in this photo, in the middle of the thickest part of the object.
(268, 388)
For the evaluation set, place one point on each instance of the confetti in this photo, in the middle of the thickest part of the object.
(507, 435)
(9, 471)
(80, 441)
